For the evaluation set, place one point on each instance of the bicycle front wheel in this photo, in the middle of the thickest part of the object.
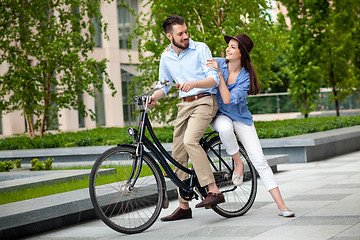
(238, 199)
(124, 209)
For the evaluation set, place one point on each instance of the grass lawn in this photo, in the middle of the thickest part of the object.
(65, 186)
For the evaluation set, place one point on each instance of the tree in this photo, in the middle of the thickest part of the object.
(46, 45)
(322, 43)
(304, 38)
(356, 41)
(207, 21)
(337, 49)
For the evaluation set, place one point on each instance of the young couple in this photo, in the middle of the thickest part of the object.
(213, 92)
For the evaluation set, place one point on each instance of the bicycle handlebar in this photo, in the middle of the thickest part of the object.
(140, 99)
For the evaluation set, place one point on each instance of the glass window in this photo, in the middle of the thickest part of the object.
(129, 106)
(126, 22)
(97, 36)
(81, 116)
(99, 108)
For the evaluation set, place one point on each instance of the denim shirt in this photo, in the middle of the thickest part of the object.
(237, 109)
(189, 66)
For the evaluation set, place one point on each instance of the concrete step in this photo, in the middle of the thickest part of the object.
(50, 212)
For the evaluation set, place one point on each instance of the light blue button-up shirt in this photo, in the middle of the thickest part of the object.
(237, 109)
(189, 66)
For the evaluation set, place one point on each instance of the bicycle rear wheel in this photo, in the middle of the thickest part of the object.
(122, 209)
(238, 199)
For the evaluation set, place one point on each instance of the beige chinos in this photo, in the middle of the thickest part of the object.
(190, 125)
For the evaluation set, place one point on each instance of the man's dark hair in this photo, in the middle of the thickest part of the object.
(172, 20)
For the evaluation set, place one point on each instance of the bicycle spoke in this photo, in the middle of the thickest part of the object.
(238, 200)
(123, 209)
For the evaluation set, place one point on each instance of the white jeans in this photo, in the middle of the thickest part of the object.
(249, 139)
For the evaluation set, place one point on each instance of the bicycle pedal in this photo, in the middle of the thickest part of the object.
(166, 175)
(208, 207)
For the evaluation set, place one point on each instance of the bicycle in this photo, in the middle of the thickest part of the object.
(128, 188)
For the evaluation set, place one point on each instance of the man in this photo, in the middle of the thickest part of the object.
(185, 63)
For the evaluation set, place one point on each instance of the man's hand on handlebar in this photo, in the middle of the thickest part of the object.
(152, 102)
(154, 97)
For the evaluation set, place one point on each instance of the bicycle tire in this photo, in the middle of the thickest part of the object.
(123, 210)
(238, 199)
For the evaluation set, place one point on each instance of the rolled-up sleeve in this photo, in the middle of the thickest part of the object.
(239, 93)
(164, 75)
(209, 71)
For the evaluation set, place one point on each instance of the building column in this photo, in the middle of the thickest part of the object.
(68, 120)
(13, 123)
(113, 105)
(90, 104)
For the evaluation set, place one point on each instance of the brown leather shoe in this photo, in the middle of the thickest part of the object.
(211, 200)
(178, 214)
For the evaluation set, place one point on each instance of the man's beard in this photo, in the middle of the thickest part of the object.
(178, 44)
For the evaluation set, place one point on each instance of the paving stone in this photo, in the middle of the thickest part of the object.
(325, 220)
(342, 186)
(318, 197)
(229, 231)
(324, 210)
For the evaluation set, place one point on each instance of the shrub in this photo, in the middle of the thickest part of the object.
(113, 135)
(34, 161)
(7, 165)
(18, 163)
(38, 165)
(48, 164)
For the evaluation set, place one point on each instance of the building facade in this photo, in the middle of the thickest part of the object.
(122, 60)
(110, 111)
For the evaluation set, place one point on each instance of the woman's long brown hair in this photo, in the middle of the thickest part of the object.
(254, 87)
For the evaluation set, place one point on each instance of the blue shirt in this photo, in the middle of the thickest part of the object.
(187, 67)
(237, 109)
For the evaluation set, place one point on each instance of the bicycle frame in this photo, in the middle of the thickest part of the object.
(158, 151)
(132, 206)
(204, 143)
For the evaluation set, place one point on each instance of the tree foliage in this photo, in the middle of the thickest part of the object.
(356, 42)
(207, 21)
(322, 41)
(303, 41)
(46, 45)
(338, 49)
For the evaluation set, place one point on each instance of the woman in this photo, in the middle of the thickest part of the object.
(238, 80)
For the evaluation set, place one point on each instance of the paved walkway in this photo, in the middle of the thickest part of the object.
(325, 196)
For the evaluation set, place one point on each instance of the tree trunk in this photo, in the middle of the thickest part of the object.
(43, 121)
(337, 107)
(47, 100)
(30, 126)
(333, 82)
(306, 107)
(47, 91)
